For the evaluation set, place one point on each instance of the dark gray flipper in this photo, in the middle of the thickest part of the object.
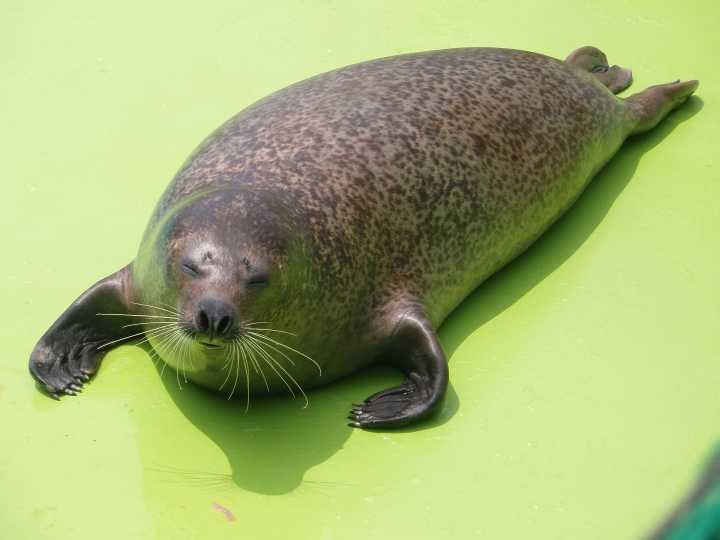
(650, 106)
(67, 355)
(593, 60)
(415, 350)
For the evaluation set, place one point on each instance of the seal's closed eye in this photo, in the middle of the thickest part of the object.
(190, 269)
(258, 280)
(258, 276)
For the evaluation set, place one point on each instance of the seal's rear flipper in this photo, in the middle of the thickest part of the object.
(650, 106)
(593, 60)
(68, 354)
(415, 349)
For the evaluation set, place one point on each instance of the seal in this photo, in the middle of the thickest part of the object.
(337, 222)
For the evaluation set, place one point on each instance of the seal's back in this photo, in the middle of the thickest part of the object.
(435, 168)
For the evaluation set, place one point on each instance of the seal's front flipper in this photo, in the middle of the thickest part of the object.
(593, 60)
(650, 106)
(68, 355)
(413, 348)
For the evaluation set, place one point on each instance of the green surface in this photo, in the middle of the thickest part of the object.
(584, 377)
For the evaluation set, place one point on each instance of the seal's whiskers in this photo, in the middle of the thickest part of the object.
(173, 309)
(165, 328)
(171, 346)
(228, 365)
(176, 352)
(288, 347)
(272, 361)
(162, 345)
(157, 332)
(264, 358)
(167, 323)
(144, 332)
(187, 355)
(273, 330)
(256, 364)
(292, 362)
(237, 371)
(136, 315)
(174, 312)
(247, 376)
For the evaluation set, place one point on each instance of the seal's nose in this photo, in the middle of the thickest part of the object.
(214, 317)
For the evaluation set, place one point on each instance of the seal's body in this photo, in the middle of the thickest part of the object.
(340, 220)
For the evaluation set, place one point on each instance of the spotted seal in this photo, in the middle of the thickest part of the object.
(337, 222)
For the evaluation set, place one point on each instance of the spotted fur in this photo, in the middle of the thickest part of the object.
(414, 177)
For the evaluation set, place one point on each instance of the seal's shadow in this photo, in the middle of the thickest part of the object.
(271, 447)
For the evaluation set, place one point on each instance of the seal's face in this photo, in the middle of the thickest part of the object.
(219, 261)
(215, 287)
(217, 270)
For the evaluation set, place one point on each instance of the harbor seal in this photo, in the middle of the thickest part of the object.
(337, 222)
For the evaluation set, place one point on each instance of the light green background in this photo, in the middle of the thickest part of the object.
(584, 377)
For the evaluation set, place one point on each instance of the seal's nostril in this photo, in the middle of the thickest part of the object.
(202, 321)
(224, 325)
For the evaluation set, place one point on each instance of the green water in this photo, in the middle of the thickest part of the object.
(584, 377)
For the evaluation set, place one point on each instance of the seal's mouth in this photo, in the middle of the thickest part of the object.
(211, 345)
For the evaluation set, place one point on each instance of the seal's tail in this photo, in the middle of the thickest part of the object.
(650, 106)
(698, 516)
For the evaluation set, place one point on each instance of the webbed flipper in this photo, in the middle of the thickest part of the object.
(649, 107)
(69, 353)
(593, 60)
(415, 350)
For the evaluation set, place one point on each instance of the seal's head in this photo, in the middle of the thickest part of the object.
(218, 266)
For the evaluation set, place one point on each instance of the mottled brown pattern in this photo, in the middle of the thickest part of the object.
(351, 213)
(408, 179)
